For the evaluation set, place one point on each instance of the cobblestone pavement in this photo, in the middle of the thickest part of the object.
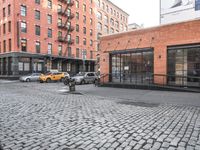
(37, 116)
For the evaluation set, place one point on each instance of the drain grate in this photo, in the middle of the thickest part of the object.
(140, 104)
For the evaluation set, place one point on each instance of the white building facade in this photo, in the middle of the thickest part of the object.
(179, 10)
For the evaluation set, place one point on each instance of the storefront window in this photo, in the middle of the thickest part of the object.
(132, 67)
(184, 66)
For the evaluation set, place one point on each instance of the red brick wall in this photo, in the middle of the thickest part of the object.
(157, 37)
(43, 38)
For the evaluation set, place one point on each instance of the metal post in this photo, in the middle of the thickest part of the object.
(84, 57)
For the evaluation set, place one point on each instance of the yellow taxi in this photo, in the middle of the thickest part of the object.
(52, 76)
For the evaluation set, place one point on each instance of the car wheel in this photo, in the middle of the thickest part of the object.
(41, 81)
(83, 82)
(48, 80)
(66, 81)
(28, 80)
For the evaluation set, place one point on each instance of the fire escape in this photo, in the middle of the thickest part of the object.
(66, 26)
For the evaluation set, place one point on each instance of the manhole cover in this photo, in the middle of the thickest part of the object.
(140, 104)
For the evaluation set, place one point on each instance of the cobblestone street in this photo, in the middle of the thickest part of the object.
(37, 116)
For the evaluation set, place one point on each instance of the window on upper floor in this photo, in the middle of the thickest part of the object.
(106, 19)
(84, 19)
(77, 53)
(84, 30)
(9, 9)
(37, 14)
(84, 7)
(60, 50)
(23, 10)
(98, 36)
(49, 19)
(99, 3)
(91, 32)
(37, 30)
(4, 12)
(37, 47)
(197, 5)
(121, 27)
(4, 46)
(68, 37)
(49, 48)
(77, 4)
(91, 22)
(77, 39)
(91, 11)
(49, 33)
(91, 43)
(84, 41)
(116, 24)
(9, 26)
(9, 45)
(99, 26)
(23, 45)
(77, 15)
(107, 8)
(106, 30)
(49, 4)
(23, 27)
(112, 21)
(112, 30)
(111, 11)
(59, 21)
(4, 28)
(103, 6)
(69, 50)
(77, 28)
(99, 15)
(37, 1)
(59, 33)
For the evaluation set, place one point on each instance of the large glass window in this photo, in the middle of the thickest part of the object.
(184, 66)
(132, 67)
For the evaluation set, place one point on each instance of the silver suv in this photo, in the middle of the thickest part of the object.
(85, 77)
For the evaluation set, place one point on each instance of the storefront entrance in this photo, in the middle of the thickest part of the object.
(132, 66)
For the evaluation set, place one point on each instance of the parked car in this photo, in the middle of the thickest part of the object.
(55, 76)
(85, 77)
(30, 77)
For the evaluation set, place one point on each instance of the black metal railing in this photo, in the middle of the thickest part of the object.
(151, 79)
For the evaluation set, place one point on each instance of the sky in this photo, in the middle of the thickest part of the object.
(144, 12)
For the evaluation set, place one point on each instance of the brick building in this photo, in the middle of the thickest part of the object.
(168, 54)
(40, 35)
(110, 19)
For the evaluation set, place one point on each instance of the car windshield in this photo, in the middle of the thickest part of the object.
(48, 73)
(80, 74)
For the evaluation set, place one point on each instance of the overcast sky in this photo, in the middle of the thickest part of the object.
(141, 11)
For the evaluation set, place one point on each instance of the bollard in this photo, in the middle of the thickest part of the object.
(72, 85)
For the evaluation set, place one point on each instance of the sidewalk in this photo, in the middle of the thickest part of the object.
(148, 96)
